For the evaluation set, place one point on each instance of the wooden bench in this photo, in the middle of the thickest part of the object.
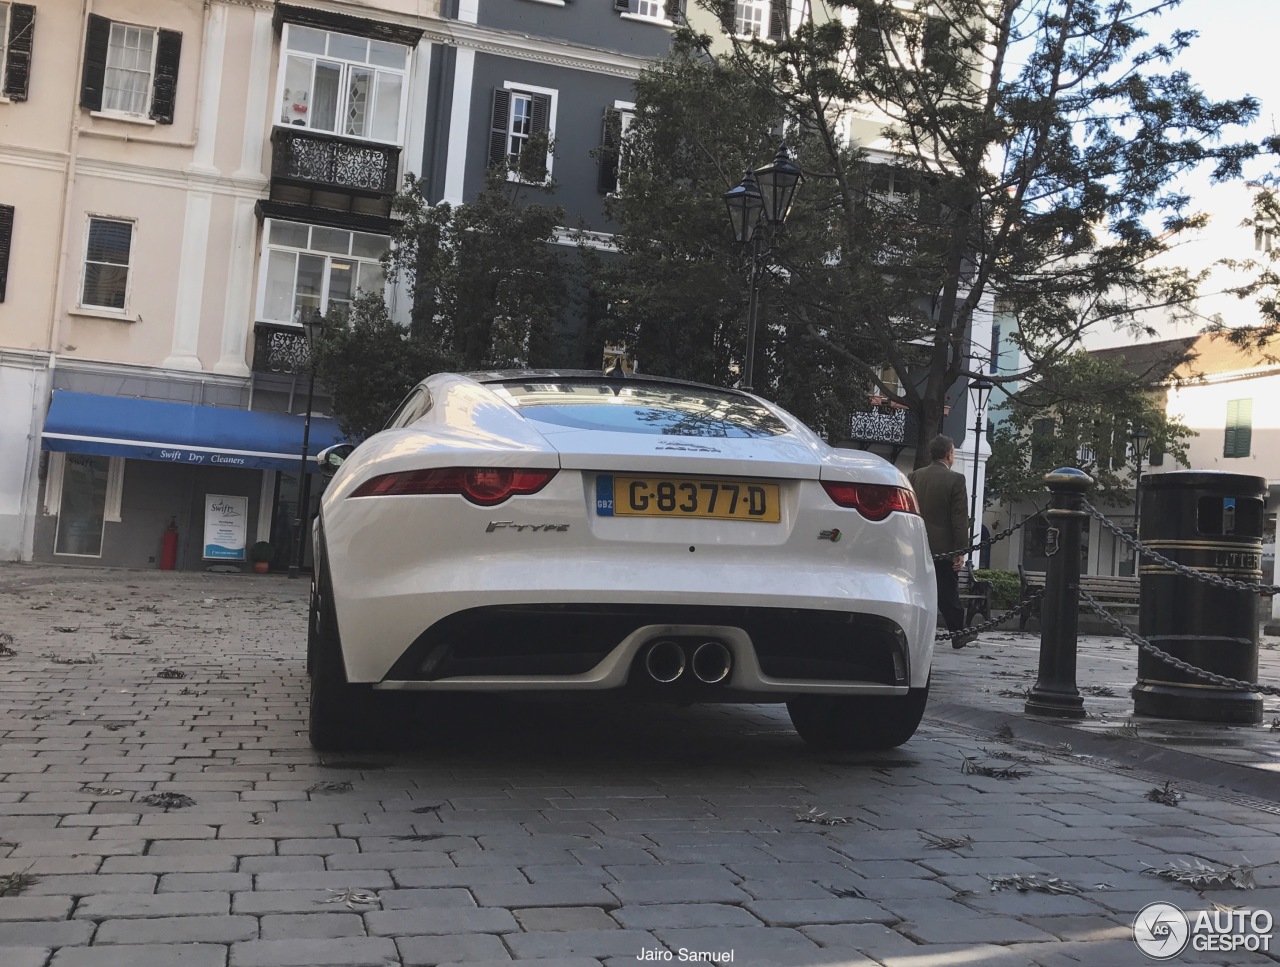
(975, 595)
(1119, 595)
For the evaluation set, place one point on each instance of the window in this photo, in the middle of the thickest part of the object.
(901, 40)
(1239, 433)
(617, 122)
(88, 493)
(6, 241)
(518, 113)
(757, 18)
(130, 70)
(106, 264)
(17, 31)
(655, 10)
(309, 268)
(342, 84)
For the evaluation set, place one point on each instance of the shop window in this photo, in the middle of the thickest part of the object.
(310, 268)
(86, 493)
(106, 264)
(342, 84)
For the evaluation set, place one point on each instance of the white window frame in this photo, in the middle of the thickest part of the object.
(55, 479)
(514, 88)
(264, 264)
(346, 65)
(151, 72)
(627, 115)
(4, 42)
(84, 263)
(650, 17)
(763, 7)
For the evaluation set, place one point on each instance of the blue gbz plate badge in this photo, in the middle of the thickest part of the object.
(604, 495)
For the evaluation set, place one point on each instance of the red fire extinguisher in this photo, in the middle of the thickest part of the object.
(169, 546)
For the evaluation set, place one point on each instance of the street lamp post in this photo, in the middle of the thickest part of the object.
(1141, 437)
(757, 207)
(313, 328)
(979, 389)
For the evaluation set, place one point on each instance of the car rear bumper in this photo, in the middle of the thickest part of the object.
(769, 652)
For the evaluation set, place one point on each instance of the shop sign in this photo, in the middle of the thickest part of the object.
(225, 527)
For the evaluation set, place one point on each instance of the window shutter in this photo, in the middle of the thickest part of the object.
(164, 87)
(6, 242)
(778, 20)
(498, 131)
(17, 71)
(609, 145)
(1239, 434)
(94, 75)
(541, 125)
(937, 33)
(622, 6)
(867, 41)
(728, 11)
(677, 10)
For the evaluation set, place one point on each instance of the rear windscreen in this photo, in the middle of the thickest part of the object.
(634, 407)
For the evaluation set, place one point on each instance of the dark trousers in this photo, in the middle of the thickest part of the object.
(949, 596)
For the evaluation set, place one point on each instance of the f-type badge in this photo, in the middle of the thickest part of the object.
(510, 525)
(832, 535)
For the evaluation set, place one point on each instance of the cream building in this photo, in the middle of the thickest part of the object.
(182, 183)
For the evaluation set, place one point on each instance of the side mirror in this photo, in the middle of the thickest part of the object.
(331, 458)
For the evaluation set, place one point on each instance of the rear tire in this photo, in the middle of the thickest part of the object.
(339, 717)
(857, 723)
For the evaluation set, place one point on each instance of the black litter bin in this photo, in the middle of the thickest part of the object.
(1211, 522)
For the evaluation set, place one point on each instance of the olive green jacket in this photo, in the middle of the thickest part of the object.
(943, 504)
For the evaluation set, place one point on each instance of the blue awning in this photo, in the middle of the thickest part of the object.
(211, 436)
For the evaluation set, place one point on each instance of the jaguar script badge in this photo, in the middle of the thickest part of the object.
(497, 525)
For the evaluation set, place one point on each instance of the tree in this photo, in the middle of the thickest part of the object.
(486, 285)
(1026, 149)
(1081, 414)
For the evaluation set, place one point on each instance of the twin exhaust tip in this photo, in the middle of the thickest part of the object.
(666, 661)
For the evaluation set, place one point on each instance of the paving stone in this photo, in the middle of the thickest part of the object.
(200, 882)
(1001, 930)
(161, 930)
(414, 899)
(580, 943)
(653, 916)
(339, 880)
(456, 948)
(168, 864)
(92, 884)
(332, 952)
(142, 955)
(534, 919)
(552, 893)
(44, 933)
(442, 921)
(317, 926)
(794, 913)
(128, 905)
(872, 938)
(750, 945)
(24, 956)
(35, 908)
(680, 891)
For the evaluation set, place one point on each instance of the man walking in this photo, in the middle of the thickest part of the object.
(941, 493)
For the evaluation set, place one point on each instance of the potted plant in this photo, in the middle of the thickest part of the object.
(261, 554)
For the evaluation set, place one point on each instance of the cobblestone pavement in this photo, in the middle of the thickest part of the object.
(563, 834)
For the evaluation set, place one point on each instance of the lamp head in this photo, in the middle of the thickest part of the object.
(745, 204)
(778, 183)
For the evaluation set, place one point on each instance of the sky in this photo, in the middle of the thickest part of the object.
(1233, 56)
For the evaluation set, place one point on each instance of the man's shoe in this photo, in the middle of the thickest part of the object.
(964, 639)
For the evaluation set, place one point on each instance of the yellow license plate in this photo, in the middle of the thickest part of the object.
(690, 497)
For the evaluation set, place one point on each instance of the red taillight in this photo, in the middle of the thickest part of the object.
(485, 486)
(872, 501)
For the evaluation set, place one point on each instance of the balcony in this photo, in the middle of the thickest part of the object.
(279, 349)
(306, 163)
(885, 424)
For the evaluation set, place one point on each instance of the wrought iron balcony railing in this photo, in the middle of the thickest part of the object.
(324, 161)
(887, 424)
(279, 349)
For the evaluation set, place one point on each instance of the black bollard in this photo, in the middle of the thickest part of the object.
(1055, 691)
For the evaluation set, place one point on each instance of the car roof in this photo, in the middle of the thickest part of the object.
(513, 375)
